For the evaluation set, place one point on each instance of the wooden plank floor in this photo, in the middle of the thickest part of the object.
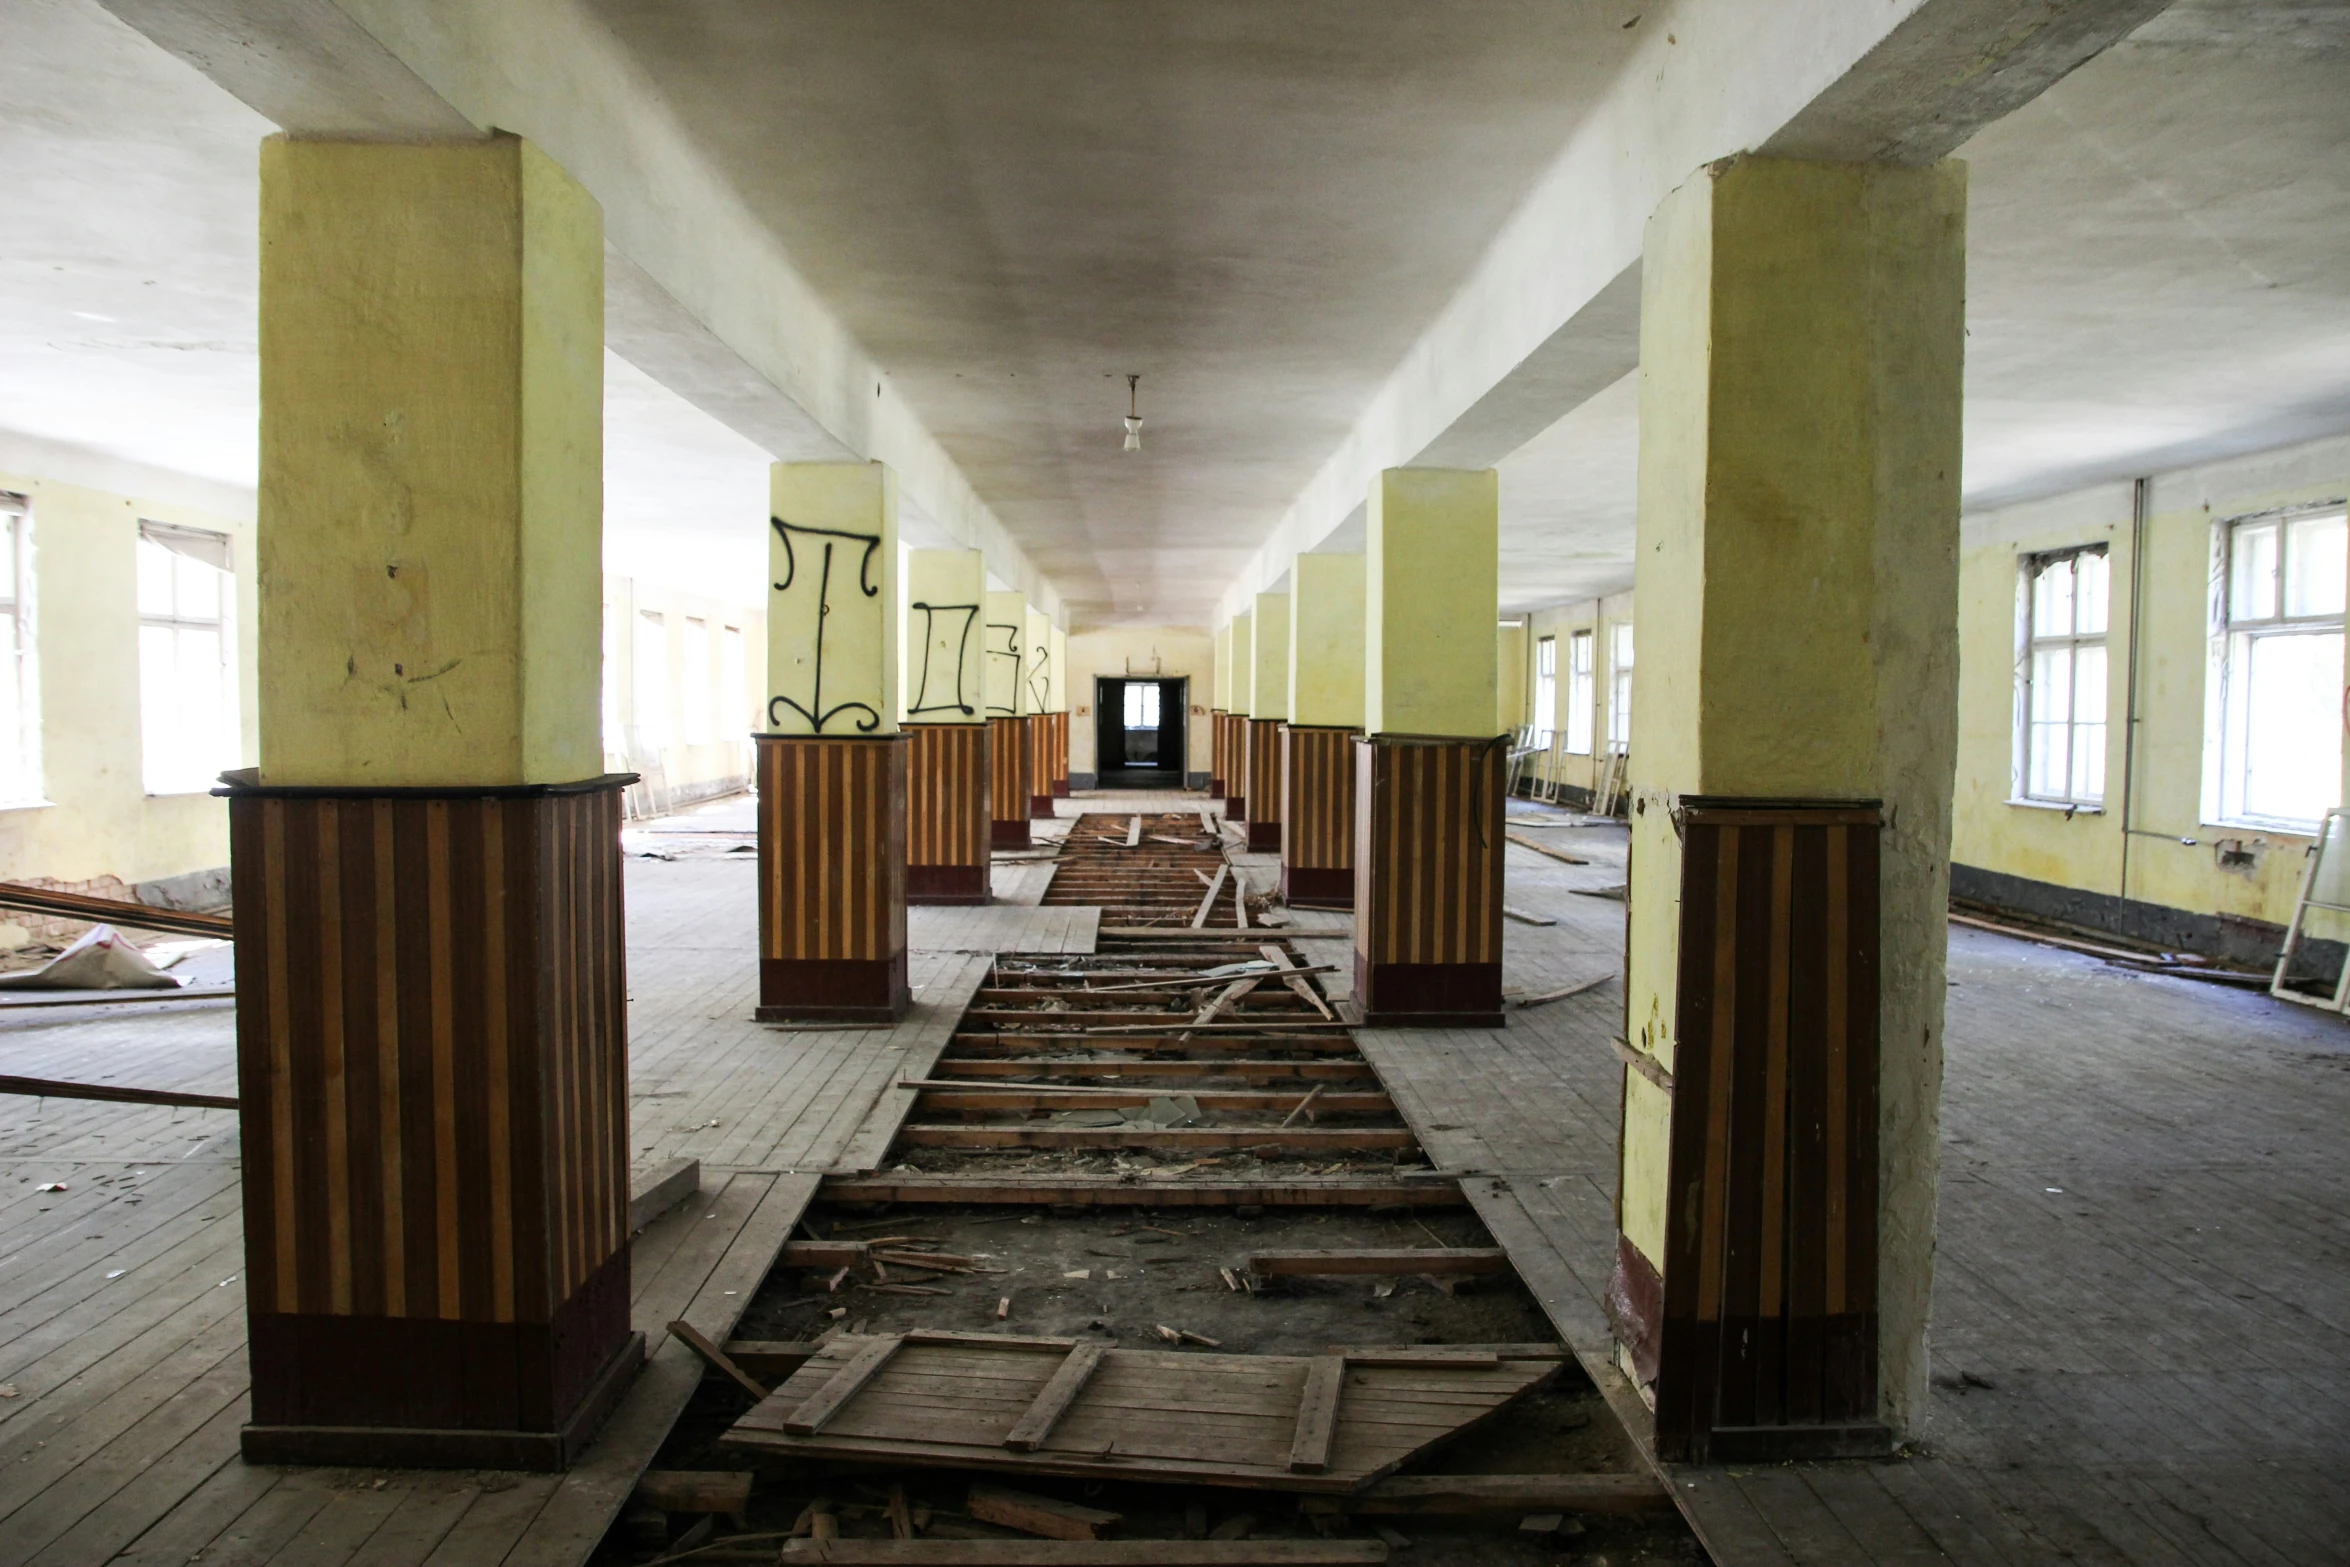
(2144, 1251)
(122, 1342)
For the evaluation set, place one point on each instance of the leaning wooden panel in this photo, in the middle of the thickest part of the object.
(1139, 1415)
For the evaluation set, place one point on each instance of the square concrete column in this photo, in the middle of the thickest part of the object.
(1219, 708)
(1268, 711)
(1793, 741)
(832, 761)
(431, 1018)
(1236, 803)
(1006, 686)
(947, 763)
(1325, 715)
(1428, 777)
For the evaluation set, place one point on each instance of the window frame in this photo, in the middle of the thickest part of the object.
(2030, 566)
(2232, 640)
(222, 623)
(1546, 690)
(23, 654)
(1622, 659)
(1582, 690)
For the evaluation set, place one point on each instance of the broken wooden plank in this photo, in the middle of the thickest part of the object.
(1303, 1105)
(770, 1359)
(695, 1490)
(1083, 1553)
(1206, 905)
(1312, 1191)
(716, 1358)
(962, 1096)
(1539, 847)
(1455, 1494)
(809, 1417)
(1053, 1402)
(1041, 1515)
(662, 1188)
(1240, 900)
(1524, 918)
(114, 911)
(51, 1088)
(1134, 832)
(986, 1340)
(1229, 994)
(825, 1254)
(1393, 1261)
(1188, 1139)
(1645, 1064)
(1560, 994)
(1317, 1414)
(1294, 978)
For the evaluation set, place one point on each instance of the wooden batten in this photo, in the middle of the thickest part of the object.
(1768, 1343)
(1009, 789)
(1428, 881)
(1264, 784)
(432, 1065)
(949, 780)
(1318, 817)
(832, 878)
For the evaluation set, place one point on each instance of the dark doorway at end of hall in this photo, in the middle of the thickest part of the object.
(1138, 733)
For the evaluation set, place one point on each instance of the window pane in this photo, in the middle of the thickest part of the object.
(2293, 728)
(734, 706)
(9, 524)
(2052, 681)
(2316, 568)
(2252, 573)
(187, 723)
(1133, 715)
(697, 682)
(1620, 646)
(2091, 576)
(195, 589)
(155, 574)
(2052, 599)
(2088, 736)
(652, 682)
(2089, 685)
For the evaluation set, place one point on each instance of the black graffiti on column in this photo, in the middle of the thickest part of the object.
(1040, 681)
(930, 614)
(1010, 650)
(815, 712)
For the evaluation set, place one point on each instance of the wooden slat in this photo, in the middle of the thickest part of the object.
(1084, 1553)
(1400, 1260)
(809, 1417)
(1056, 1398)
(1317, 1414)
(114, 911)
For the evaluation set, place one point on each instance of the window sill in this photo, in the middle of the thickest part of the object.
(28, 805)
(2303, 830)
(2061, 807)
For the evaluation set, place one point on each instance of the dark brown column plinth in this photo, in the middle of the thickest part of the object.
(832, 878)
(947, 792)
(432, 1067)
(1040, 765)
(1318, 817)
(1768, 1345)
(1428, 868)
(1009, 791)
(1264, 785)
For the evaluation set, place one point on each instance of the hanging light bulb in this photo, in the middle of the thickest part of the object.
(1133, 419)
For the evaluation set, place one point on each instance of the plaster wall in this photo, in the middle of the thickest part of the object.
(680, 769)
(99, 820)
(1430, 587)
(1158, 652)
(2174, 856)
(1576, 769)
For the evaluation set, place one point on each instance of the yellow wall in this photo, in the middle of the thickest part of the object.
(2084, 850)
(1158, 652)
(1431, 585)
(680, 770)
(1326, 642)
(100, 820)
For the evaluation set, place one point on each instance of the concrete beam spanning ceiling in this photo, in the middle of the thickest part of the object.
(698, 294)
(1550, 317)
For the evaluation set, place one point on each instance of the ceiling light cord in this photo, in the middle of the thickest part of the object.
(1133, 418)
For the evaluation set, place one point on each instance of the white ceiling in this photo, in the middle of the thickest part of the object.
(1014, 207)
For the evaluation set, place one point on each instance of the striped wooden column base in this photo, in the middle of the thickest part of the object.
(1428, 868)
(1216, 779)
(1318, 817)
(1264, 785)
(947, 792)
(1040, 765)
(1060, 756)
(832, 879)
(433, 1077)
(1009, 791)
(1236, 766)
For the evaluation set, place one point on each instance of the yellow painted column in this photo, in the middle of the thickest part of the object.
(1793, 740)
(1510, 655)
(1428, 777)
(1006, 687)
(1268, 713)
(1236, 801)
(431, 1028)
(947, 762)
(1325, 715)
(832, 761)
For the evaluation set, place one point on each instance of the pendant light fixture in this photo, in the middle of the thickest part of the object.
(1133, 419)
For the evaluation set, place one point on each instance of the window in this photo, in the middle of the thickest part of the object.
(1142, 705)
(615, 734)
(1619, 692)
(2280, 732)
(1579, 693)
(20, 683)
(2060, 694)
(188, 727)
(1546, 689)
(698, 724)
(652, 683)
(734, 704)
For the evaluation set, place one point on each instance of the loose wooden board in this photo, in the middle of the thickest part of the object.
(1145, 1415)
